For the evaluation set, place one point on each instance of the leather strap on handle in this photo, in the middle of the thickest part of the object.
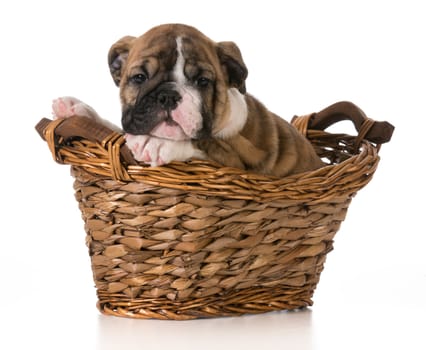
(85, 128)
(373, 131)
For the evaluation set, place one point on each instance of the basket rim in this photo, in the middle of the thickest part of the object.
(208, 178)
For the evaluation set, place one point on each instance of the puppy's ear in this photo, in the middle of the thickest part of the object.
(117, 57)
(232, 61)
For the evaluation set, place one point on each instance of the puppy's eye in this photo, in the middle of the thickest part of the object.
(203, 82)
(138, 79)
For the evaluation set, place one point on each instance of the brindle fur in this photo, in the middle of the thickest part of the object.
(266, 144)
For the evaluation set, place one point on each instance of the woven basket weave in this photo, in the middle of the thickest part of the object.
(195, 239)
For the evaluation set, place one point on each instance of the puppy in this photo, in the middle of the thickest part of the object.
(183, 96)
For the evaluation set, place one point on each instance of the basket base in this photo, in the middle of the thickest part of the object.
(236, 303)
(171, 254)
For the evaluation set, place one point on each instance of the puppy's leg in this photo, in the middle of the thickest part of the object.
(67, 106)
(156, 151)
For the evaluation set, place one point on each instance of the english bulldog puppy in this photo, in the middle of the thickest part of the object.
(184, 96)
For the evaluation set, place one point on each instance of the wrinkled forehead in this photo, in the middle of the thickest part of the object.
(163, 46)
(198, 50)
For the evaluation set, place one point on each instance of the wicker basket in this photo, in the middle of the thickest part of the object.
(195, 239)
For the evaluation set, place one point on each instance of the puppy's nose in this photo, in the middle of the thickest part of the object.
(168, 99)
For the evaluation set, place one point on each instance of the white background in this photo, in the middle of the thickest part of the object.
(302, 56)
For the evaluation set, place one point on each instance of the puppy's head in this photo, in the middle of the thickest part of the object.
(176, 83)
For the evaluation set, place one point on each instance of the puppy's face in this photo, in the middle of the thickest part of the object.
(175, 83)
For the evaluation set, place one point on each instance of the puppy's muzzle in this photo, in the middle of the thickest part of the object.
(150, 110)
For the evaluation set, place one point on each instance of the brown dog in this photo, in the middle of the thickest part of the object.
(183, 96)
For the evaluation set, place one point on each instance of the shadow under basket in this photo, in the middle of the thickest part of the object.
(194, 239)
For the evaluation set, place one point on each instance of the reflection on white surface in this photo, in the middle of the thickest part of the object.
(292, 329)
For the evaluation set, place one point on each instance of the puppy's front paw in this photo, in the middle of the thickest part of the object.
(65, 107)
(136, 144)
(157, 151)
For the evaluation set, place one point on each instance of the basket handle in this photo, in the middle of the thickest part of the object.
(377, 132)
(80, 127)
